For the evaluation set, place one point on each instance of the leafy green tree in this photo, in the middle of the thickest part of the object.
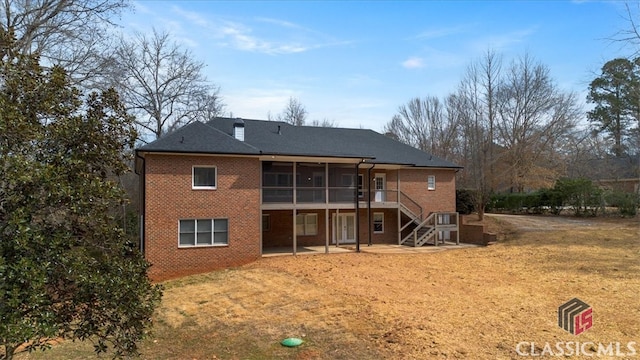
(67, 269)
(616, 95)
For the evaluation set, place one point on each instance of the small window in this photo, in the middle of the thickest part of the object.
(431, 182)
(266, 222)
(378, 223)
(204, 177)
(203, 232)
(307, 224)
(360, 186)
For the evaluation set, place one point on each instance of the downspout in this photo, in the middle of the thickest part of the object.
(355, 192)
(142, 201)
(369, 199)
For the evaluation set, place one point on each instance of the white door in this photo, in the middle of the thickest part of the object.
(344, 226)
(379, 182)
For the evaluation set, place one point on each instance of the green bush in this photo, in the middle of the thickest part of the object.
(627, 203)
(581, 195)
(530, 203)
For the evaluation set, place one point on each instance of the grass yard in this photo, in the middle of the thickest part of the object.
(475, 303)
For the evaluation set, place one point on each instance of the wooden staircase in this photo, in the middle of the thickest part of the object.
(425, 231)
(420, 237)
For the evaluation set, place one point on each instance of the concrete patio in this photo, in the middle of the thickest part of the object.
(374, 249)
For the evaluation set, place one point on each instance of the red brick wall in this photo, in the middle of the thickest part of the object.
(280, 233)
(413, 182)
(390, 235)
(169, 198)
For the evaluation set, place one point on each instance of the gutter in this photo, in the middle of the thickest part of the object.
(362, 161)
(369, 200)
(142, 202)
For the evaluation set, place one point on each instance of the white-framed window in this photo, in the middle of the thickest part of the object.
(266, 222)
(307, 224)
(360, 186)
(204, 177)
(431, 182)
(203, 232)
(378, 223)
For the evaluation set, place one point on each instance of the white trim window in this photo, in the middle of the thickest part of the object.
(307, 224)
(204, 177)
(203, 232)
(431, 182)
(378, 223)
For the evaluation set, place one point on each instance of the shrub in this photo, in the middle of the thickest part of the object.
(581, 195)
(627, 203)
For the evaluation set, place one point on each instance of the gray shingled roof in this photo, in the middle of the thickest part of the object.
(262, 137)
(199, 138)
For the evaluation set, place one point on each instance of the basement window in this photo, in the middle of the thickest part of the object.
(203, 232)
(307, 224)
(378, 223)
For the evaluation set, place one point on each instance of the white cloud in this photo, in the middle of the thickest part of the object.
(282, 23)
(413, 63)
(275, 37)
(503, 41)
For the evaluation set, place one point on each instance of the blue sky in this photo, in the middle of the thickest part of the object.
(355, 62)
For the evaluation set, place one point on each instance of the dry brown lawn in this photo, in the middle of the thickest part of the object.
(474, 303)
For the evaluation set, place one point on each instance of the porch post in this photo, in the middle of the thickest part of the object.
(398, 210)
(326, 230)
(357, 211)
(326, 207)
(295, 240)
(295, 235)
(369, 200)
(399, 226)
(336, 229)
(457, 228)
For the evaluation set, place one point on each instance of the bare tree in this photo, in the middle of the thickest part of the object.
(507, 127)
(533, 115)
(423, 123)
(294, 113)
(475, 106)
(630, 35)
(70, 33)
(324, 123)
(163, 85)
(210, 105)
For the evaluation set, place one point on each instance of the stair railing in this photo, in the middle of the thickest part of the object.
(429, 220)
(411, 205)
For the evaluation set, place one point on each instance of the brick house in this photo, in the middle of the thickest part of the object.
(620, 173)
(217, 195)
